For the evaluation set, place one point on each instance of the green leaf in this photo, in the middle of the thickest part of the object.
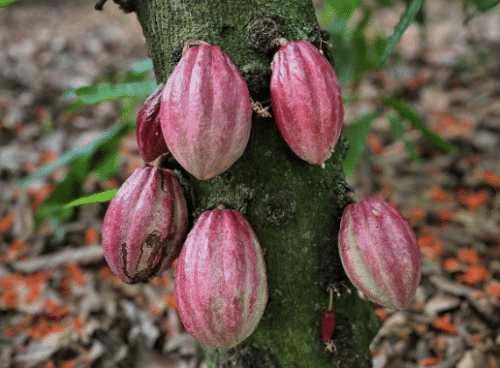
(342, 50)
(485, 5)
(404, 22)
(407, 112)
(105, 196)
(114, 91)
(398, 132)
(344, 8)
(101, 161)
(86, 151)
(356, 134)
(420, 16)
(385, 3)
(5, 3)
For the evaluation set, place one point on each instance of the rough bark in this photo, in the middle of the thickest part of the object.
(294, 207)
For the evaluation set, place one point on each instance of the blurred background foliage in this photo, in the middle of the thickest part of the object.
(354, 47)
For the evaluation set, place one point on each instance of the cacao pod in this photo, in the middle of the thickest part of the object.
(206, 112)
(220, 280)
(306, 101)
(150, 141)
(145, 225)
(380, 252)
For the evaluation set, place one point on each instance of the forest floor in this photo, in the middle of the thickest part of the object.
(60, 305)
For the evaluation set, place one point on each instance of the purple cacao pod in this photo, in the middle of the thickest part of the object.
(306, 101)
(206, 112)
(150, 141)
(145, 225)
(220, 280)
(380, 252)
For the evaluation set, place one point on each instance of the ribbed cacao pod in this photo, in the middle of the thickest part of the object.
(220, 280)
(145, 225)
(306, 101)
(380, 253)
(206, 112)
(150, 141)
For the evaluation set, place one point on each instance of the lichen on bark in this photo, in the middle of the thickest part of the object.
(293, 207)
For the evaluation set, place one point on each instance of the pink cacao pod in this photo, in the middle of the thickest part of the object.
(150, 141)
(206, 112)
(380, 253)
(220, 280)
(145, 225)
(306, 101)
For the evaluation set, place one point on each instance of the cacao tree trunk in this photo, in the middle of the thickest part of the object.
(293, 207)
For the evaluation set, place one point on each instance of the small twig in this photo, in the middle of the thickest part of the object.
(82, 255)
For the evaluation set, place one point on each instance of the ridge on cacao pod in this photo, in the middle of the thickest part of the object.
(306, 100)
(380, 252)
(145, 225)
(220, 280)
(150, 141)
(206, 111)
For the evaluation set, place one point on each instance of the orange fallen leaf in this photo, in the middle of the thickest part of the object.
(439, 195)
(417, 214)
(440, 345)
(451, 264)
(493, 289)
(77, 324)
(132, 164)
(170, 301)
(15, 250)
(68, 364)
(49, 364)
(91, 235)
(476, 338)
(7, 222)
(429, 361)
(492, 178)
(374, 143)
(429, 252)
(468, 255)
(55, 312)
(472, 199)
(438, 248)
(161, 281)
(382, 314)
(111, 183)
(475, 274)
(414, 83)
(47, 157)
(444, 324)
(492, 361)
(9, 298)
(444, 215)
(34, 284)
(426, 241)
(75, 273)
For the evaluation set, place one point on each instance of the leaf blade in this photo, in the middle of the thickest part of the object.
(404, 22)
(406, 112)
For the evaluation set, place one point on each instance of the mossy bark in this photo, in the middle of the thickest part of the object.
(293, 207)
